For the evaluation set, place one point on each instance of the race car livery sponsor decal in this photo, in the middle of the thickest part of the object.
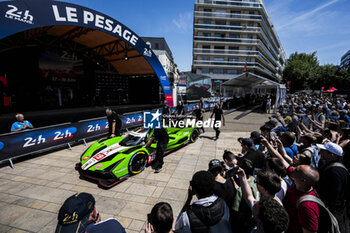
(102, 155)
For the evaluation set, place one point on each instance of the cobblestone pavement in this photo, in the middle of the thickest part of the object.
(32, 193)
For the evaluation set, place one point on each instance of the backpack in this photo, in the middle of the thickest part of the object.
(347, 191)
(327, 222)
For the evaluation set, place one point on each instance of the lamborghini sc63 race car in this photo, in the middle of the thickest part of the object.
(110, 161)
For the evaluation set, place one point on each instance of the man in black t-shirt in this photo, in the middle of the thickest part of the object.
(179, 109)
(165, 112)
(199, 115)
(161, 135)
(218, 114)
(114, 123)
(252, 154)
(334, 179)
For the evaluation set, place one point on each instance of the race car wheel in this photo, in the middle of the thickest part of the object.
(137, 162)
(194, 135)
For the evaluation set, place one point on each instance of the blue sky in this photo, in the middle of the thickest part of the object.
(302, 25)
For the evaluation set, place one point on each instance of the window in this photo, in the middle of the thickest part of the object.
(218, 71)
(207, 12)
(221, 13)
(156, 46)
(205, 70)
(206, 58)
(249, 48)
(206, 34)
(251, 12)
(250, 37)
(219, 59)
(235, 24)
(219, 35)
(251, 24)
(236, 14)
(248, 60)
(234, 36)
(206, 48)
(206, 22)
(233, 48)
(220, 22)
(232, 71)
(233, 59)
(219, 47)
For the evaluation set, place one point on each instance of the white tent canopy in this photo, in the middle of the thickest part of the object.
(252, 83)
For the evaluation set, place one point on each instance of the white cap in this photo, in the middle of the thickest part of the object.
(331, 147)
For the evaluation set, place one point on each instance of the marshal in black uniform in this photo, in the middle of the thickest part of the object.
(218, 114)
(199, 115)
(114, 123)
(161, 135)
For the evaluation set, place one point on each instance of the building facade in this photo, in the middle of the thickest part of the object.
(345, 60)
(161, 49)
(231, 37)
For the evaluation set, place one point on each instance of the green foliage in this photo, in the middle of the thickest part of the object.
(305, 73)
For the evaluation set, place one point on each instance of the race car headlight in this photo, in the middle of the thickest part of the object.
(113, 166)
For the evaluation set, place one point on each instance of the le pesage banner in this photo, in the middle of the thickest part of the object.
(21, 15)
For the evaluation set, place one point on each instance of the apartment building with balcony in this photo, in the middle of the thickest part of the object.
(229, 34)
(345, 60)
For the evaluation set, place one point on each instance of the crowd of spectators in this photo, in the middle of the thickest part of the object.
(292, 176)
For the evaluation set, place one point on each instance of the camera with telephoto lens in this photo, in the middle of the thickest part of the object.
(232, 172)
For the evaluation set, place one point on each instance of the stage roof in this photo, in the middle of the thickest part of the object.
(94, 43)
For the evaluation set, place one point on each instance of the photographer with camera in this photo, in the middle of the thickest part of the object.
(242, 211)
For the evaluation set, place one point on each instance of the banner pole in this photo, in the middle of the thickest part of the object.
(11, 164)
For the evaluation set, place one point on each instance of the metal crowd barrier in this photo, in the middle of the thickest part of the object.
(15, 145)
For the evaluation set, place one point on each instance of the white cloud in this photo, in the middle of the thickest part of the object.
(184, 21)
(307, 15)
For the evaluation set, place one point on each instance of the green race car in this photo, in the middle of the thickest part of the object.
(110, 161)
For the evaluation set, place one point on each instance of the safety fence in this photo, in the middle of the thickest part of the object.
(13, 145)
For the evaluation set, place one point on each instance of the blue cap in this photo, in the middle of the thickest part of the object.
(280, 128)
(247, 142)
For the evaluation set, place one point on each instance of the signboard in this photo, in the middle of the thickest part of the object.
(12, 145)
(21, 15)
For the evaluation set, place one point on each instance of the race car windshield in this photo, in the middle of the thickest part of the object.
(131, 141)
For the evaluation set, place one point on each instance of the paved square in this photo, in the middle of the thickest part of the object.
(32, 193)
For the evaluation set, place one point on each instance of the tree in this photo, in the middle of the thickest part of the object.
(301, 69)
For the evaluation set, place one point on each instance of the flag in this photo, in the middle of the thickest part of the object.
(3, 80)
(288, 84)
(7, 101)
(245, 66)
